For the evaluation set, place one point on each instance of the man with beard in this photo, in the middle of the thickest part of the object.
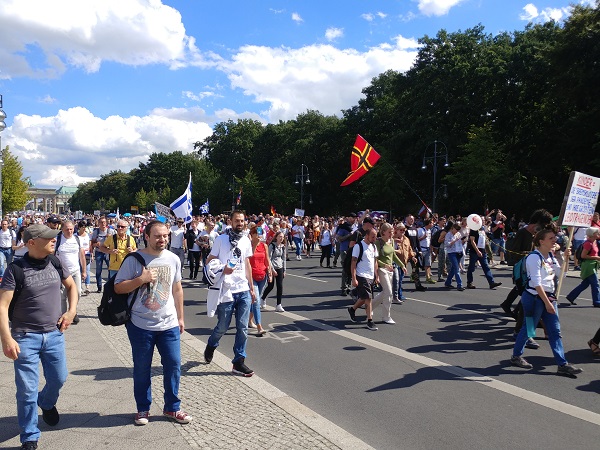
(233, 250)
(412, 233)
(156, 321)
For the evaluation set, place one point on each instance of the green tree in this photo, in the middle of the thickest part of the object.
(14, 186)
(141, 200)
(85, 196)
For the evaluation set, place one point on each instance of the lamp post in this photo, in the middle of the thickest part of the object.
(2, 127)
(232, 189)
(442, 154)
(302, 179)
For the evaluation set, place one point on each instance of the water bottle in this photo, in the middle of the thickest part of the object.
(232, 262)
(530, 324)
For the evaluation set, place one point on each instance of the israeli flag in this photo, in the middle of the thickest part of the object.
(204, 209)
(182, 207)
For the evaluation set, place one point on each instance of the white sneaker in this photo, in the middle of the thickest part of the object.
(389, 320)
(279, 308)
(298, 258)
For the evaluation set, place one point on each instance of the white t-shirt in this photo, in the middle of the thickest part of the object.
(298, 231)
(366, 266)
(154, 307)
(424, 242)
(177, 236)
(68, 253)
(84, 240)
(222, 249)
(326, 237)
(541, 272)
(6, 238)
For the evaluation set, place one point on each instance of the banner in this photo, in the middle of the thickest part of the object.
(581, 197)
(182, 207)
(163, 212)
(298, 212)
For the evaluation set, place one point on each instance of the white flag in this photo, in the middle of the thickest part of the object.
(182, 207)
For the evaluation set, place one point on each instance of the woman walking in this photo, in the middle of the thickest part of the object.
(539, 301)
(454, 252)
(385, 260)
(589, 268)
(325, 243)
(260, 264)
(277, 252)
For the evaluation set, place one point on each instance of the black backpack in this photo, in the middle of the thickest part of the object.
(435, 239)
(19, 276)
(578, 253)
(113, 309)
(348, 260)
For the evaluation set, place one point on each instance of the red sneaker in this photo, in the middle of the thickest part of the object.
(141, 418)
(178, 416)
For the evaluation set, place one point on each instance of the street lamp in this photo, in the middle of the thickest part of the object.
(302, 179)
(232, 189)
(442, 154)
(2, 127)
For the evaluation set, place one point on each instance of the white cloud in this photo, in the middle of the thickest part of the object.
(296, 18)
(276, 11)
(320, 77)
(76, 145)
(200, 95)
(532, 14)
(48, 99)
(133, 32)
(368, 17)
(381, 15)
(331, 34)
(437, 7)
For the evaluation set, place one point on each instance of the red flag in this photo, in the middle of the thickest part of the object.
(424, 210)
(273, 212)
(362, 159)
(238, 200)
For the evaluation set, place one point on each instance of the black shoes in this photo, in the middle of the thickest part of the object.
(50, 416)
(239, 368)
(352, 313)
(495, 285)
(471, 286)
(371, 325)
(209, 353)
(29, 445)
(421, 288)
(75, 319)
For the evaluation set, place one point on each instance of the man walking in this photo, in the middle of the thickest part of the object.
(8, 239)
(117, 247)
(364, 274)
(177, 242)
(476, 245)
(36, 331)
(156, 321)
(233, 249)
(71, 254)
(99, 235)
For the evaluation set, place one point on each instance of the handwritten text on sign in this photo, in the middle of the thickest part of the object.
(581, 201)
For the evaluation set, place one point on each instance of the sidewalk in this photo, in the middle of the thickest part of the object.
(97, 405)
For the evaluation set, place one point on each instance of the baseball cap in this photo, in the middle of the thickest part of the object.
(368, 220)
(52, 219)
(39, 231)
(351, 215)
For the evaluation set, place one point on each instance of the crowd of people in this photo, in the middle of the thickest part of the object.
(241, 259)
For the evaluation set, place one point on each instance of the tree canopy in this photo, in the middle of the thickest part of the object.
(517, 112)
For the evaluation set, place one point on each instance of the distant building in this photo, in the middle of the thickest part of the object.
(54, 201)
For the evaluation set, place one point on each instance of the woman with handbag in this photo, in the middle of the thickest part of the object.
(539, 301)
(277, 256)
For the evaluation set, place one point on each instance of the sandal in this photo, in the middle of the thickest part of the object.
(594, 347)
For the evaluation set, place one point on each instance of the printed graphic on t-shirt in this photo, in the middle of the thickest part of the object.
(157, 296)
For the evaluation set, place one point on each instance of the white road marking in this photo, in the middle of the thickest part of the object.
(518, 392)
(307, 278)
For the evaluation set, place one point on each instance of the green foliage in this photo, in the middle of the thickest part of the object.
(14, 186)
(517, 112)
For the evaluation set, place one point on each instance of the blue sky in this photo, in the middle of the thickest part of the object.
(93, 86)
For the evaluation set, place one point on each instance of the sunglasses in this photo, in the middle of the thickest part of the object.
(121, 226)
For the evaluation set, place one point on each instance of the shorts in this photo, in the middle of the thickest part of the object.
(426, 255)
(364, 290)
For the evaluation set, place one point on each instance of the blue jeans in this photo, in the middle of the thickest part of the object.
(533, 305)
(498, 246)
(142, 348)
(400, 280)
(87, 273)
(259, 287)
(5, 259)
(592, 281)
(454, 271)
(473, 258)
(241, 304)
(101, 258)
(49, 349)
(298, 244)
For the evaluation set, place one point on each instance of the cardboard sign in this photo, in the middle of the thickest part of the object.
(580, 200)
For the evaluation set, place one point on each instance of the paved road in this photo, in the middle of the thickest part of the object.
(439, 377)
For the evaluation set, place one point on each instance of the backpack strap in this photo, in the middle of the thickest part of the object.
(142, 261)
(58, 239)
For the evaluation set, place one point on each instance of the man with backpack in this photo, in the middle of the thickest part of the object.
(99, 235)
(30, 298)
(364, 274)
(117, 247)
(71, 254)
(156, 321)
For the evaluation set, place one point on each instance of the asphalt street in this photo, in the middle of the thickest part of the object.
(439, 377)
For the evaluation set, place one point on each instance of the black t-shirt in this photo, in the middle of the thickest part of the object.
(523, 241)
